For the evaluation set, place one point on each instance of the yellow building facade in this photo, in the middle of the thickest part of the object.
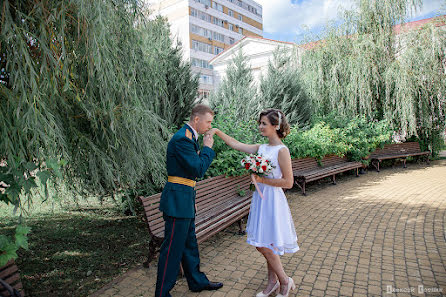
(208, 27)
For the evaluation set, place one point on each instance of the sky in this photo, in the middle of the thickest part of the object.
(290, 20)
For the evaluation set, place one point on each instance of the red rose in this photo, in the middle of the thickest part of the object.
(246, 166)
(264, 168)
(257, 163)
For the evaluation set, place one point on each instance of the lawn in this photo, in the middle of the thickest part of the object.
(76, 251)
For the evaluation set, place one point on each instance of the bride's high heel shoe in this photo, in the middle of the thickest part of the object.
(291, 286)
(276, 287)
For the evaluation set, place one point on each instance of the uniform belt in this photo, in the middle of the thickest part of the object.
(181, 181)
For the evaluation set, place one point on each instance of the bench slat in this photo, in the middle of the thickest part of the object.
(10, 274)
(224, 223)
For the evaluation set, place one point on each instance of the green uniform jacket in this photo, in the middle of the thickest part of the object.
(184, 159)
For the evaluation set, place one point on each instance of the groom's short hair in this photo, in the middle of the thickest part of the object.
(200, 109)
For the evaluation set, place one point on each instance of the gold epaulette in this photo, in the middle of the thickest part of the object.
(188, 134)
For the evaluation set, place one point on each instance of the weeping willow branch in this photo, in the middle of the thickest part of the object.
(95, 83)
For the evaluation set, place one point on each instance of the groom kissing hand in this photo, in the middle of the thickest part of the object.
(185, 163)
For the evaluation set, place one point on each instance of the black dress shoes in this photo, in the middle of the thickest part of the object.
(211, 286)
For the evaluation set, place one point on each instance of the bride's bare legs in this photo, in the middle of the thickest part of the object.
(272, 279)
(275, 269)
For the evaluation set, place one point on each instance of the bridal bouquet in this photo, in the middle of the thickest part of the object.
(257, 164)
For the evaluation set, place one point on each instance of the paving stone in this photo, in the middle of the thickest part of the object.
(356, 238)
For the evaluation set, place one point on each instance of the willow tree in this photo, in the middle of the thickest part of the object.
(281, 88)
(83, 81)
(355, 70)
(416, 85)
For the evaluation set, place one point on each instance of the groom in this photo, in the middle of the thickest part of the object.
(185, 163)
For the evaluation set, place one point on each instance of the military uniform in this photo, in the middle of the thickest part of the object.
(185, 163)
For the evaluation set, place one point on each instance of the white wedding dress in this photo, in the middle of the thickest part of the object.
(270, 223)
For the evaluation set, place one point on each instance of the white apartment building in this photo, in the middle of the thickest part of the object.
(208, 27)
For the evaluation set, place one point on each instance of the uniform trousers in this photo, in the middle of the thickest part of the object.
(179, 246)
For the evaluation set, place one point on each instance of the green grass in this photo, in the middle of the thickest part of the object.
(75, 252)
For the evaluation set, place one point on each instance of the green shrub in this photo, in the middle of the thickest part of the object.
(360, 135)
(316, 142)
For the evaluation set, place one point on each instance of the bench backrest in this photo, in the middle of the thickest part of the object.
(397, 148)
(332, 160)
(10, 274)
(304, 164)
(210, 193)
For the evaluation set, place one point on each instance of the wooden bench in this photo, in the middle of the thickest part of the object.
(10, 284)
(308, 169)
(397, 151)
(218, 203)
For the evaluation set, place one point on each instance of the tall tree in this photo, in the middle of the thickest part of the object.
(237, 90)
(281, 88)
(237, 107)
(93, 82)
(176, 87)
(356, 69)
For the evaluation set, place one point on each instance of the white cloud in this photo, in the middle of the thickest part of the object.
(284, 16)
(429, 7)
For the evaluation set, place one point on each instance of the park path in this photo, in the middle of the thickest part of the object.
(382, 234)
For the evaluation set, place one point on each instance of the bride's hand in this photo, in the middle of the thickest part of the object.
(257, 178)
(211, 132)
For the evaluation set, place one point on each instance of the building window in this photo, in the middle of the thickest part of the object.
(201, 31)
(218, 50)
(231, 40)
(230, 13)
(218, 22)
(204, 94)
(194, 12)
(195, 29)
(240, 17)
(201, 15)
(218, 36)
(239, 3)
(200, 63)
(205, 2)
(204, 16)
(240, 30)
(217, 6)
(207, 33)
(252, 9)
(231, 27)
(202, 47)
(206, 79)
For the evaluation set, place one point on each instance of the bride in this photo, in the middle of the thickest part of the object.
(270, 226)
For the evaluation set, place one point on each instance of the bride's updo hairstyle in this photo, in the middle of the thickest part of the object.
(276, 118)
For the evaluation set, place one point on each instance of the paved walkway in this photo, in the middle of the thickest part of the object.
(367, 236)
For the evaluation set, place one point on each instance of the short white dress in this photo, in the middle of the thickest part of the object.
(269, 222)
